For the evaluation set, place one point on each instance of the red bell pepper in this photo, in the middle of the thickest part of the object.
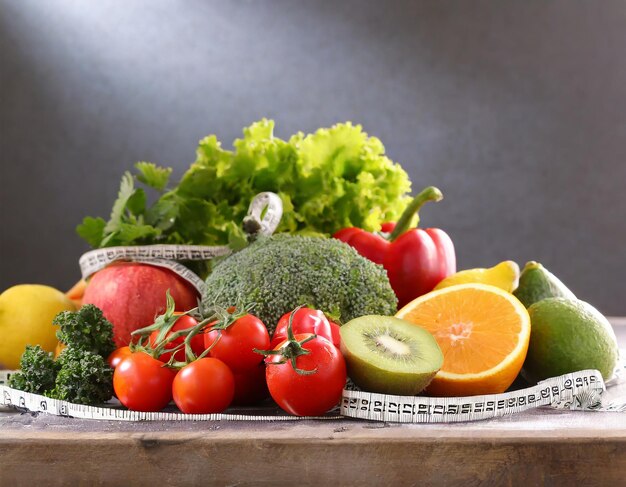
(416, 260)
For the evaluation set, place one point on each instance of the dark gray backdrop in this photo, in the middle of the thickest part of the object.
(516, 110)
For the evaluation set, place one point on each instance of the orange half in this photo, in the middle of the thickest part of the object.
(483, 333)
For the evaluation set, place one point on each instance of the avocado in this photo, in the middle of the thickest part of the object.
(567, 336)
(537, 283)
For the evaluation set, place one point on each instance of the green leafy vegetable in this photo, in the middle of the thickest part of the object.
(335, 178)
(81, 373)
(152, 175)
(84, 378)
(37, 373)
(86, 329)
(92, 230)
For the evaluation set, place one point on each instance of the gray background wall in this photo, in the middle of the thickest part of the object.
(516, 110)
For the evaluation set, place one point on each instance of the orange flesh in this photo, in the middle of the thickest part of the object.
(475, 332)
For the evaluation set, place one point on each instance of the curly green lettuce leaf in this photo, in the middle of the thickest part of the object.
(334, 178)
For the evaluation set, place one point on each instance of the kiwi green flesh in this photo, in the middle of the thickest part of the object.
(389, 355)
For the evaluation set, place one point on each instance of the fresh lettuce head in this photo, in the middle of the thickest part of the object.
(334, 178)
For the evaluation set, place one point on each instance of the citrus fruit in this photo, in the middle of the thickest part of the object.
(567, 336)
(504, 275)
(483, 333)
(26, 313)
(76, 293)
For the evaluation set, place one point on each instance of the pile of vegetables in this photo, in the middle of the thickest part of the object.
(80, 374)
(268, 323)
(334, 178)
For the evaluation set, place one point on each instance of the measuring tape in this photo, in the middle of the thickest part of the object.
(577, 391)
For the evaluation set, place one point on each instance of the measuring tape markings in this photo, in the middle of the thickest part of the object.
(577, 391)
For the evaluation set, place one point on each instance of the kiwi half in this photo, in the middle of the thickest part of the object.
(389, 355)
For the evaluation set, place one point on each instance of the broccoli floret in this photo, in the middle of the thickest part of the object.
(86, 329)
(278, 273)
(37, 373)
(84, 378)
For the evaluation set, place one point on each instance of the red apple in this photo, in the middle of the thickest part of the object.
(131, 295)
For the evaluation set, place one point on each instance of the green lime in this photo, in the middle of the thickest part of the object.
(567, 336)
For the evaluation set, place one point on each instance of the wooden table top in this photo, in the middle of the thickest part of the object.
(537, 447)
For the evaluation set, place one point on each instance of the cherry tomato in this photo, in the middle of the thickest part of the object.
(305, 320)
(204, 386)
(311, 394)
(236, 345)
(117, 356)
(143, 383)
(182, 323)
(250, 386)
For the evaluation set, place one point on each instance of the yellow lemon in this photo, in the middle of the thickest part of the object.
(505, 275)
(26, 313)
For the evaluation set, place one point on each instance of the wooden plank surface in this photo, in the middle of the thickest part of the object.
(539, 447)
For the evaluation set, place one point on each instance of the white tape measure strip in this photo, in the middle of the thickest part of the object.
(37, 403)
(272, 205)
(580, 390)
(184, 272)
(95, 260)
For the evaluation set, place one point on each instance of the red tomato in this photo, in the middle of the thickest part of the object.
(117, 356)
(236, 345)
(336, 334)
(305, 320)
(250, 386)
(143, 383)
(204, 386)
(312, 394)
(182, 323)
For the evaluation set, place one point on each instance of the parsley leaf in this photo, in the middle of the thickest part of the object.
(127, 188)
(92, 230)
(152, 175)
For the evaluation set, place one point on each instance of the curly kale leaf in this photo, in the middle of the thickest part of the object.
(38, 371)
(86, 329)
(84, 378)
